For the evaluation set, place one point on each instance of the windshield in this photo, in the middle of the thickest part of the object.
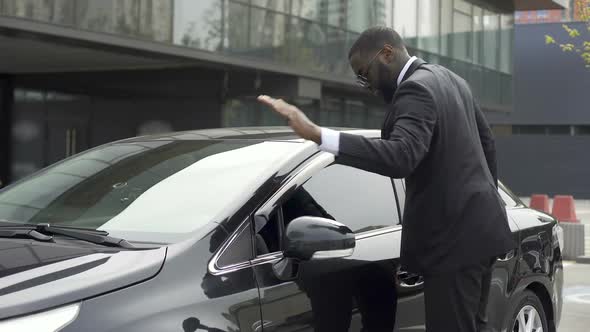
(153, 191)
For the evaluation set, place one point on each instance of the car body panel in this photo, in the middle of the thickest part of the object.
(181, 286)
(87, 273)
(540, 262)
(326, 293)
(181, 295)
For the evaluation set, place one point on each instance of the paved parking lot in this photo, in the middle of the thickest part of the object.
(576, 306)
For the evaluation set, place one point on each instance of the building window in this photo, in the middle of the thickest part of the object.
(542, 14)
(559, 130)
(446, 25)
(551, 130)
(404, 20)
(463, 6)
(506, 42)
(462, 35)
(305, 9)
(198, 24)
(428, 25)
(276, 5)
(528, 130)
(582, 130)
(491, 25)
(477, 33)
(502, 130)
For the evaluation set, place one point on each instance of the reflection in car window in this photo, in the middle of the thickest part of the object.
(361, 200)
(268, 237)
(171, 187)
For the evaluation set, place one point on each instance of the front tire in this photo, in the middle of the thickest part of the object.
(527, 314)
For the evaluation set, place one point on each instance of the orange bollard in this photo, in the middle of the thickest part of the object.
(564, 208)
(540, 202)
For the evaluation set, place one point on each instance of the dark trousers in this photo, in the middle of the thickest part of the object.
(456, 301)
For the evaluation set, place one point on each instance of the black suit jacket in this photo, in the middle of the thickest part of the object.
(436, 137)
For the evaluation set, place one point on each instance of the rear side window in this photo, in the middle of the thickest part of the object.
(239, 251)
(361, 200)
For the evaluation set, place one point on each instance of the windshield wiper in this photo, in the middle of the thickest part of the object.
(26, 233)
(17, 224)
(45, 232)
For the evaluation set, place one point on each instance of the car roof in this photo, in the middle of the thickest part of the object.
(270, 133)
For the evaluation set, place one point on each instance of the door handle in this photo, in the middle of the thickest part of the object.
(507, 256)
(409, 280)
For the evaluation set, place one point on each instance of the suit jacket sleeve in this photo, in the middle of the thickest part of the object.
(487, 142)
(414, 121)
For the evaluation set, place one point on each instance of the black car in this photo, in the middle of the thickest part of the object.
(246, 229)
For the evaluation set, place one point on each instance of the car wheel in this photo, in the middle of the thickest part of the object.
(527, 314)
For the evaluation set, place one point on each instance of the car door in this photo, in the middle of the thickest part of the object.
(410, 287)
(503, 279)
(357, 293)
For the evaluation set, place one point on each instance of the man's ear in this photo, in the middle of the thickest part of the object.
(388, 53)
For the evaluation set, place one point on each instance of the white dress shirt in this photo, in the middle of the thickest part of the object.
(331, 138)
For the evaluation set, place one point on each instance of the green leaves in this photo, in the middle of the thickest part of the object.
(567, 47)
(580, 46)
(572, 32)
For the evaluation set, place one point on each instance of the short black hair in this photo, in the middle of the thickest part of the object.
(374, 38)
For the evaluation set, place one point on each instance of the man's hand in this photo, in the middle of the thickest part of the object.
(298, 121)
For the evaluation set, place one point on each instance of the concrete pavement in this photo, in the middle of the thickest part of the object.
(576, 303)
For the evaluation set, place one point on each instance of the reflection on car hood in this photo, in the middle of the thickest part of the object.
(36, 276)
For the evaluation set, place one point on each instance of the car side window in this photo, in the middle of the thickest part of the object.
(361, 200)
(240, 249)
(268, 233)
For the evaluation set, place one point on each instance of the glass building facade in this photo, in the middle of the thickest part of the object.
(311, 35)
(54, 114)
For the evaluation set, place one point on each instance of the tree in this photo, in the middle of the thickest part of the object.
(576, 43)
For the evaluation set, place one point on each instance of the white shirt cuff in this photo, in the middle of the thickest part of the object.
(330, 141)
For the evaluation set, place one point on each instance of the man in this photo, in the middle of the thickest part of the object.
(435, 136)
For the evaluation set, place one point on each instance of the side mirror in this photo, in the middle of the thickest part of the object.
(313, 238)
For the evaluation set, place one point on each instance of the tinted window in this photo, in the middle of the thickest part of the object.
(239, 251)
(268, 233)
(361, 200)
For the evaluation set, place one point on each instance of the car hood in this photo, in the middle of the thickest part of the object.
(35, 276)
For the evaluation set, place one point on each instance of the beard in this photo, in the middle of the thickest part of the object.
(386, 85)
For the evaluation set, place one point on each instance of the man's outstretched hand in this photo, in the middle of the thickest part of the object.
(298, 121)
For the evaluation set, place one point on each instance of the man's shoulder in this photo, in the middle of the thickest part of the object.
(429, 72)
(423, 79)
(434, 77)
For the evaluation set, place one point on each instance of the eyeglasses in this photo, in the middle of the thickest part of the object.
(361, 78)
